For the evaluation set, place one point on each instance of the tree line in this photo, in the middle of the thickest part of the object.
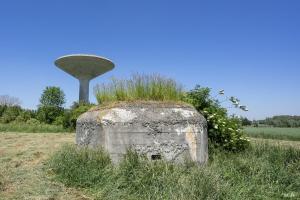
(50, 110)
(282, 121)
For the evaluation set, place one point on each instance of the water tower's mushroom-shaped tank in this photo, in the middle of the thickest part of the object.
(84, 68)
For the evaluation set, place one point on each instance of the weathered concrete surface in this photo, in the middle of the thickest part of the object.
(158, 130)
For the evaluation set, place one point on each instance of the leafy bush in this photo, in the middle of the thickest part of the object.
(48, 114)
(223, 131)
(25, 115)
(10, 114)
(59, 121)
(262, 172)
(33, 121)
(139, 87)
(70, 116)
(2, 109)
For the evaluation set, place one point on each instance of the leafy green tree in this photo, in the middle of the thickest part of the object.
(51, 105)
(53, 97)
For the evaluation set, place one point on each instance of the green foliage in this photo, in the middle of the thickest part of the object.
(48, 114)
(245, 121)
(51, 102)
(2, 109)
(10, 114)
(33, 121)
(59, 121)
(25, 115)
(70, 116)
(223, 131)
(52, 97)
(139, 87)
(262, 172)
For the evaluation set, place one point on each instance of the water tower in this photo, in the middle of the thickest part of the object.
(84, 67)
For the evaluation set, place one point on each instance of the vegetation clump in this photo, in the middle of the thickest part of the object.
(69, 118)
(224, 131)
(271, 171)
(51, 104)
(139, 87)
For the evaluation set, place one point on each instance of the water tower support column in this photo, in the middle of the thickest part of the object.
(84, 90)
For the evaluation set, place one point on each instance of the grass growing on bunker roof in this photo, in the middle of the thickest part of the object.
(139, 87)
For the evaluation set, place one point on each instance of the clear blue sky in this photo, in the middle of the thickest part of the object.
(249, 48)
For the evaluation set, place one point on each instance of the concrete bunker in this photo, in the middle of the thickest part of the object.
(170, 131)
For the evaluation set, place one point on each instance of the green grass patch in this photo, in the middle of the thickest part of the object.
(139, 87)
(262, 172)
(31, 128)
(274, 133)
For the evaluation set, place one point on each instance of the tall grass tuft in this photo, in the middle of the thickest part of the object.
(139, 87)
(263, 172)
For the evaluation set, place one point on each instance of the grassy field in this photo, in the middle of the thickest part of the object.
(274, 133)
(22, 174)
(263, 172)
(31, 128)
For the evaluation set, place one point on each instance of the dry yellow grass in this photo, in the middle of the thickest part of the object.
(22, 156)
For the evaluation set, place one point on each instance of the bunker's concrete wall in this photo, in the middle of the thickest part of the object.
(158, 130)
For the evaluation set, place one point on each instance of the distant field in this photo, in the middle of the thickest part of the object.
(31, 128)
(274, 133)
